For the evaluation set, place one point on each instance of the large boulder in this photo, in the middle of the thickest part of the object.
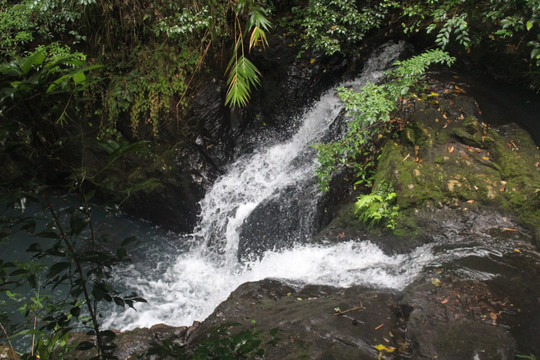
(316, 322)
(449, 167)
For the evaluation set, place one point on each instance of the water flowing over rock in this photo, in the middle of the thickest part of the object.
(458, 280)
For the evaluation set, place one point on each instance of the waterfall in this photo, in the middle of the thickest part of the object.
(197, 279)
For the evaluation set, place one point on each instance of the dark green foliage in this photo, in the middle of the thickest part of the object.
(338, 26)
(222, 343)
(71, 254)
(151, 94)
(40, 99)
(16, 28)
(378, 206)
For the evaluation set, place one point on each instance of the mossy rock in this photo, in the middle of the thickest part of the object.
(447, 157)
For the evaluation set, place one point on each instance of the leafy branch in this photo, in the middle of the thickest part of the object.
(371, 109)
(242, 73)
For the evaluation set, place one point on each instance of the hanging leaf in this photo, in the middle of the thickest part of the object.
(35, 59)
(85, 345)
(79, 77)
(257, 36)
(77, 224)
(57, 268)
(258, 18)
(243, 74)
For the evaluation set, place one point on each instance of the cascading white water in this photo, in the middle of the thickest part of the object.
(198, 279)
(256, 177)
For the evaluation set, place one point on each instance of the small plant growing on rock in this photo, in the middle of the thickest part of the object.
(378, 206)
(371, 109)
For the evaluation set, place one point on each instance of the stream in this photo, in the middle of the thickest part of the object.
(184, 279)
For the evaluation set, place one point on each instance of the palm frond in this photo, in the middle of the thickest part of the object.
(242, 75)
(257, 36)
(258, 18)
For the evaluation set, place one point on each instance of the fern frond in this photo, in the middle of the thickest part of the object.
(257, 36)
(243, 74)
(257, 18)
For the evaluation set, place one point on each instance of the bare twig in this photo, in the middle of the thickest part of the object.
(361, 307)
(6, 335)
(80, 272)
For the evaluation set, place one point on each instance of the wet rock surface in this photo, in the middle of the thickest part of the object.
(450, 318)
(456, 319)
(290, 224)
(470, 308)
(315, 322)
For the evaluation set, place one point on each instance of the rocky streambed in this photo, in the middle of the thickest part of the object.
(469, 194)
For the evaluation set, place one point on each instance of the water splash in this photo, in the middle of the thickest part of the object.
(195, 284)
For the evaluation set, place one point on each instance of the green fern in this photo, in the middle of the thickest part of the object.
(376, 207)
(371, 110)
(243, 74)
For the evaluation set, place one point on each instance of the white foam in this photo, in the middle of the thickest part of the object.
(194, 285)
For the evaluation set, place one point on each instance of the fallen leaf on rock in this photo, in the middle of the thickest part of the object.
(459, 90)
(382, 347)
(493, 316)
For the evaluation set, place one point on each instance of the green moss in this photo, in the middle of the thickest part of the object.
(436, 165)
(470, 132)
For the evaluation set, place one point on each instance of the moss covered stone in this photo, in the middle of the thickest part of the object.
(448, 157)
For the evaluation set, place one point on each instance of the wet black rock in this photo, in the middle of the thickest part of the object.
(456, 319)
(316, 322)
